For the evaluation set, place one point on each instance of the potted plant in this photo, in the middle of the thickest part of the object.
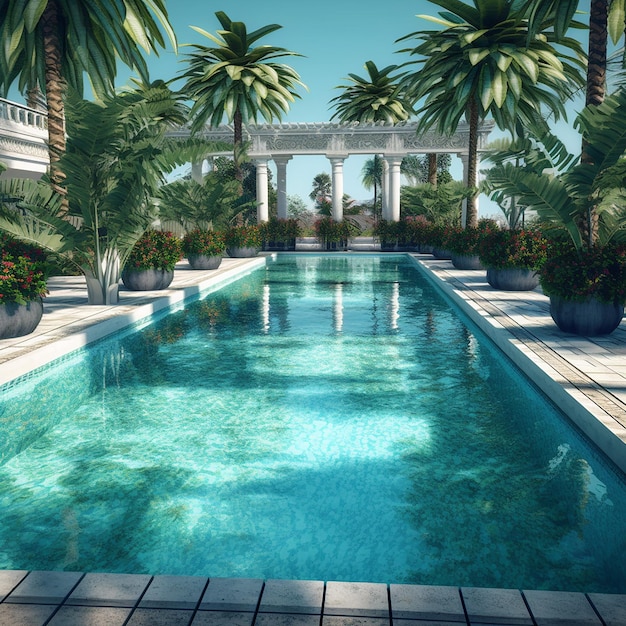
(394, 236)
(243, 241)
(463, 244)
(280, 234)
(150, 265)
(587, 288)
(331, 234)
(23, 275)
(204, 248)
(513, 257)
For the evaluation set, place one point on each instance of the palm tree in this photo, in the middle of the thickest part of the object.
(420, 169)
(117, 154)
(377, 98)
(322, 189)
(484, 63)
(238, 81)
(372, 176)
(54, 43)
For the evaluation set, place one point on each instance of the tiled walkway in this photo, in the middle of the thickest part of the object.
(587, 378)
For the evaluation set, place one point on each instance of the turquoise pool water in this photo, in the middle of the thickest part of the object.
(326, 417)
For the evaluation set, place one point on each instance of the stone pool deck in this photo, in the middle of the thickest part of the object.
(585, 377)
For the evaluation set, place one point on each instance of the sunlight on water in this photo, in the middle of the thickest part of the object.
(329, 417)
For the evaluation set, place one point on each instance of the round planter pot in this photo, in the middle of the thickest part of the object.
(442, 253)
(467, 262)
(512, 279)
(587, 318)
(280, 246)
(204, 262)
(17, 320)
(242, 252)
(147, 280)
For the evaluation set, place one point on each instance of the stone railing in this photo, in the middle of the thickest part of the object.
(21, 114)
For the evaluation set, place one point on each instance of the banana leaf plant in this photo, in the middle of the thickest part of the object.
(565, 193)
(118, 153)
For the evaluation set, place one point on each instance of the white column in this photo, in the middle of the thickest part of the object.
(262, 211)
(196, 171)
(465, 161)
(337, 182)
(394, 188)
(385, 190)
(281, 175)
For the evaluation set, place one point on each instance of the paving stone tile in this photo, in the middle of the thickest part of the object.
(160, 617)
(421, 622)
(431, 602)
(345, 620)
(222, 618)
(550, 608)
(232, 594)
(292, 596)
(362, 599)
(9, 579)
(25, 614)
(109, 590)
(495, 606)
(89, 616)
(286, 619)
(44, 587)
(612, 607)
(174, 592)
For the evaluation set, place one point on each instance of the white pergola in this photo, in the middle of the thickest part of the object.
(337, 142)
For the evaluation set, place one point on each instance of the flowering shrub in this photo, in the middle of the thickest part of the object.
(513, 249)
(155, 249)
(279, 230)
(23, 271)
(329, 231)
(243, 237)
(580, 274)
(205, 242)
(465, 241)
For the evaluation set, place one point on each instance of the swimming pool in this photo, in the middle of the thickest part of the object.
(326, 417)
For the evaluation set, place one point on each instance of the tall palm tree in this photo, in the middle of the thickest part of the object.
(54, 43)
(484, 63)
(237, 80)
(372, 176)
(377, 98)
(322, 189)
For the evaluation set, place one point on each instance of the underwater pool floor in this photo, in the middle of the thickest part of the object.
(586, 378)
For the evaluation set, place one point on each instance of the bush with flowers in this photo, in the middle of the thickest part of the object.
(204, 242)
(577, 275)
(280, 232)
(23, 271)
(513, 249)
(465, 241)
(155, 249)
(328, 231)
(243, 237)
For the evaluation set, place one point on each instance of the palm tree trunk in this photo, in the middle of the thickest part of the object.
(432, 169)
(238, 128)
(471, 217)
(55, 87)
(596, 90)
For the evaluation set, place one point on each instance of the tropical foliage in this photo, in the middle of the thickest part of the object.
(377, 98)
(54, 44)
(328, 230)
(243, 237)
(237, 80)
(117, 154)
(155, 249)
(484, 63)
(279, 230)
(440, 205)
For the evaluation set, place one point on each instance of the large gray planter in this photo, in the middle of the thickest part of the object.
(17, 320)
(512, 279)
(204, 262)
(467, 262)
(442, 253)
(147, 280)
(242, 252)
(588, 318)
